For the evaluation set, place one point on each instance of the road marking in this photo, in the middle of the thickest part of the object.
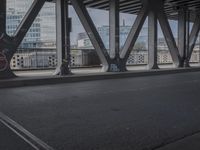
(32, 140)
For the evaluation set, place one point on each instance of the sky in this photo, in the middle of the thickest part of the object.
(101, 17)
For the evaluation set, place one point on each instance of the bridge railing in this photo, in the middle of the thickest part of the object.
(28, 59)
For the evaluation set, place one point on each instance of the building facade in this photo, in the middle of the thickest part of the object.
(84, 41)
(42, 33)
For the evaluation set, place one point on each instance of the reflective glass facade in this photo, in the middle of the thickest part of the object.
(42, 33)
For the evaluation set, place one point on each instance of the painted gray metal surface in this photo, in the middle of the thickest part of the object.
(62, 38)
(8, 45)
(92, 32)
(114, 29)
(194, 35)
(116, 61)
(152, 41)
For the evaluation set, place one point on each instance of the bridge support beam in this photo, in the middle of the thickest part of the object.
(134, 33)
(116, 61)
(9, 45)
(63, 38)
(152, 40)
(114, 28)
(116, 64)
(194, 35)
(5, 45)
(92, 32)
(183, 36)
(165, 26)
(3, 17)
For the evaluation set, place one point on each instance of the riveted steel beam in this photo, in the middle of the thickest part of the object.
(62, 38)
(182, 32)
(152, 40)
(158, 11)
(3, 17)
(187, 50)
(117, 64)
(27, 21)
(134, 33)
(194, 35)
(9, 45)
(164, 23)
(114, 29)
(92, 32)
(5, 45)
(183, 35)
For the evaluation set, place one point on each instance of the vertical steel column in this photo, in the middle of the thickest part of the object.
(5, 45)
(182, 35)
(9, 45)
(2, 17)
(117, 64)
(62, 36)
(68, 40)
(114, 29)
(194, 35)
(157, 7)
(186, 60)
(152, 38)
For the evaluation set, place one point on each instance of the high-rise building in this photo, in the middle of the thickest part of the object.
(42, 32)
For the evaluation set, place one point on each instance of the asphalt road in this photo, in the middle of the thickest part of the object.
(141, 113)
(10, 141)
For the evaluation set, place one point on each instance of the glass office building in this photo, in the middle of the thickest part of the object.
(42, 33)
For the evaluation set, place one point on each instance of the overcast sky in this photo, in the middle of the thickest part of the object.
(101, 17)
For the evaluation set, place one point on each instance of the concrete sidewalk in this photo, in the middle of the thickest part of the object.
(45, 80)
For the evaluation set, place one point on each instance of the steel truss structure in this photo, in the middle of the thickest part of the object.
(185, 11)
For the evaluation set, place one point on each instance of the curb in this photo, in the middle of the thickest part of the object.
(35, 81)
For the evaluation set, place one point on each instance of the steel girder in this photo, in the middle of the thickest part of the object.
(118, 58)
(183, 35)
(9, 45)
(114, 29)
(117, 61)
(134, 33)
(193, 36)
(162, 18)
(152, 40)
(62, 38)
(92, 32)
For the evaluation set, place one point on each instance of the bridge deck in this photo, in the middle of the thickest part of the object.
(132, 113)
(134, 6)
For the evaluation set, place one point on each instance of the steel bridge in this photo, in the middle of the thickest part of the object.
(184, 11)
(130, 113)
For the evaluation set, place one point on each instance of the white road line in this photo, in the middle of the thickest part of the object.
(32, 140)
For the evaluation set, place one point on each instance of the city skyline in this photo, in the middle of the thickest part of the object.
(42, 35)
(100, 18)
